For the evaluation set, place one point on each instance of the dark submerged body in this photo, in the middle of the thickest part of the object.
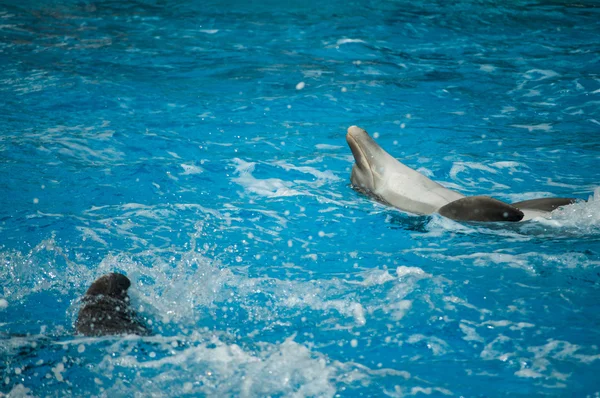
(106, 309)
(484, 208)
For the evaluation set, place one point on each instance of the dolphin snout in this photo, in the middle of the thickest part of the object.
(353, 140)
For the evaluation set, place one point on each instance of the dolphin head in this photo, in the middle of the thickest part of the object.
(370, 159)
(110, 285)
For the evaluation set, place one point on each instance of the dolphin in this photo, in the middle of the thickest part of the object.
(106, 309)
(379, 175)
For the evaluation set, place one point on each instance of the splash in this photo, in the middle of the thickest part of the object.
(582, 217)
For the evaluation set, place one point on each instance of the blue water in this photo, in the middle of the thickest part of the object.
(200, 150)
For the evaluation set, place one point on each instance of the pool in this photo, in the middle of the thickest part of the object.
(199, 149)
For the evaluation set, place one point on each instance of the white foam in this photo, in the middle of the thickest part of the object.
(58, 370)
(514, 166)
(496, 349)
(19, 391)
(417, 272)
(346, 308)
(328, 147)
(376, 277)
(191, 169)
(86, 144)
(470, 333)
(228, 369)
(399, 309)
(435, 344)
(459, 167)
(539, 74)
(269, 187)
(322, 176)
(534, 127)
(347, 41)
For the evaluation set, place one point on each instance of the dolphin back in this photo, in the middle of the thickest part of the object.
(544, 204)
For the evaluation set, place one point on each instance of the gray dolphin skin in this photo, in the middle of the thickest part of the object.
(381, 176)
(106, 309)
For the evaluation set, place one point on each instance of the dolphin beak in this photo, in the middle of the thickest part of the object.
(365, 150)
(353, 142)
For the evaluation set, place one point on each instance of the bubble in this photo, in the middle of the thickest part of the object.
(3, 304)
(321, 234)
(300, 86)
(344, 89)
(289, 107)
(375, 135)
(36, 201)
(80, 348)
(354, 343)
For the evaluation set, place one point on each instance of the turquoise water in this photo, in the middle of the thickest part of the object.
(200, 150)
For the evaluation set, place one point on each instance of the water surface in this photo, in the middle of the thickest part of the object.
(200, 150)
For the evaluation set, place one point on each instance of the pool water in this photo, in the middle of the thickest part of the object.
(200, 149)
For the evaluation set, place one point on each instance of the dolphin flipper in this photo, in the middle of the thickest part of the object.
(106, 309)
(544, 204)
(480, 208)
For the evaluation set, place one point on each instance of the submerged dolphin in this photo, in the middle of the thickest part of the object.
(106, 309)
(378, 174)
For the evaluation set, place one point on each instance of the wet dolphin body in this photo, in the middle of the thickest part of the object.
(378, 174)
(106, 309)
